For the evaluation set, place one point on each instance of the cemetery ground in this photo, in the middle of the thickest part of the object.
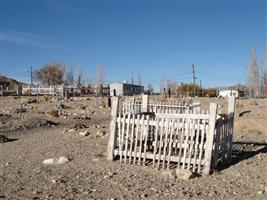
(81, 134)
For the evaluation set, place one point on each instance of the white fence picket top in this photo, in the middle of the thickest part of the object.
(187, 139)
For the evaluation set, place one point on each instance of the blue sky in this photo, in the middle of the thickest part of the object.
(160, 38)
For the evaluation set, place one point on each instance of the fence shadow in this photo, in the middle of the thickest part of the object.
(245, 150)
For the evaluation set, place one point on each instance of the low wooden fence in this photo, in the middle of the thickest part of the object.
(190, 140)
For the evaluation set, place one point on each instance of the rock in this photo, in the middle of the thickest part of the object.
(53, 113)
(32, 101)
(101, 133)
(169, 173)
(56, 161)
(70, 131)
(84, 133)
(3, 139)
(184, 174)
(260, 192)
(80, 126)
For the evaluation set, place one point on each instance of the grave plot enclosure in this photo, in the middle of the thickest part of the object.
(182, 138)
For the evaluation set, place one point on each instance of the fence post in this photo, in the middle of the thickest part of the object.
(145, 100)
(210, 138)
(112, 131)
(231, 105)
(231, 116)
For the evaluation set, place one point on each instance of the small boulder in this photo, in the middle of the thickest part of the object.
(184, 174)
(3, 139)
(169, 174)
(56, 161)
(84, 133)
(53, 113)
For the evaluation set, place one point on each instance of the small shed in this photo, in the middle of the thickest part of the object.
(231, 93)
(125, 88)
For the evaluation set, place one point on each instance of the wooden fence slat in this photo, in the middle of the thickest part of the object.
(136, 138)
(122, 135)
(181, 142)
(170, 143)
(132, 137)
(196, 146)
(165, 143)
(186, 141)
(156, 140)
(127, 137)
(141, 138)
(146, 136)
(192, 135)
(119, 134)
(160, 140)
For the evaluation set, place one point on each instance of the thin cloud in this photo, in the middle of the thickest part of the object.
(28, 39)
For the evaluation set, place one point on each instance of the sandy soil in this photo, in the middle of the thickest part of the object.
(37, 135)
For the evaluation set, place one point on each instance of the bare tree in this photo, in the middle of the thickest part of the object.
(89, 81)
(253, 75)
(150, 87)
(78, 75)
(69, 76)
(51, 74)
(172, 85)
(100, 76)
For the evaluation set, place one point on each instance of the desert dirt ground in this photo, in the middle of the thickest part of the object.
(39, 134)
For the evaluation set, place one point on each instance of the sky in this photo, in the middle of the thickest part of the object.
(160, 39)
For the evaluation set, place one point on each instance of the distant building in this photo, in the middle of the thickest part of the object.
(125, 89)
(231, 93)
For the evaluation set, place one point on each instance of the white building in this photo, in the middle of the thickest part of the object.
(231, 93)
(125, 89)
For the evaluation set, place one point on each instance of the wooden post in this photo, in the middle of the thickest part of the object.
(210, 138)
(145, 100)
(231, 113)
(112, 133)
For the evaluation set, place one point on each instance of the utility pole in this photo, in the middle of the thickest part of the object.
(132, 79)
(194, 78)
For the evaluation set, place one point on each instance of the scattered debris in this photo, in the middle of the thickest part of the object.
(32, 101)
(46, 123)
(84, 133)
(53, 113)
(21, 110)
(80, 126)
(101, 133)
(56, 161)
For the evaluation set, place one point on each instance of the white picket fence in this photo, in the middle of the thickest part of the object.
(43, 90)
(135, 106)
(190, 140)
